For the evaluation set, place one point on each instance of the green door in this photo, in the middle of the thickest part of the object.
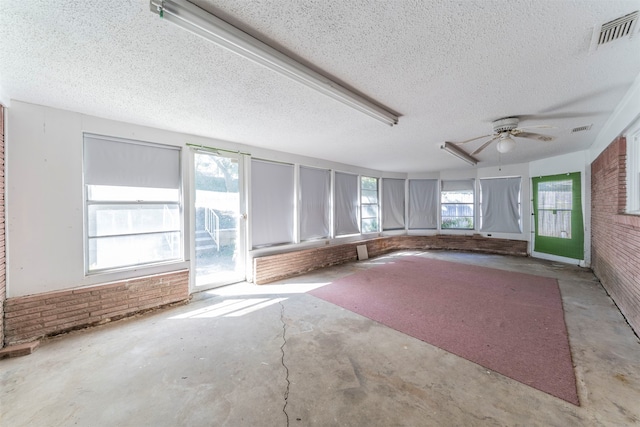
(557, 209)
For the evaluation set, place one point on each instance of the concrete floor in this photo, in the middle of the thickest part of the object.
(271, 355)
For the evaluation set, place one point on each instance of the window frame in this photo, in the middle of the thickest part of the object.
(482, 204)
(472, 204)
(327, 202)
(89, 200)
(632, 181)
(286, 193)
(390, 206)
(346, 217)
(362, 205)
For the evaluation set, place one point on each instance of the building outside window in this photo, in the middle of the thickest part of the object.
(457, 204)
(369, 205)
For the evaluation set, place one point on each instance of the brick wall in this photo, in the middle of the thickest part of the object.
(615, 237)
(279, 266)
(32, 317)
(3, 267)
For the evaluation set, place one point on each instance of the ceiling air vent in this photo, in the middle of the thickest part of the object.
(618, 28)
(581, 129)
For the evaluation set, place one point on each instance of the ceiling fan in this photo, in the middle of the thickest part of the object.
(503, 131)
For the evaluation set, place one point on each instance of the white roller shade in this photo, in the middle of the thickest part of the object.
(346, 204)
(118, 162)
(423, 203)
(315, 188)
(458, 185)
(272, 203)
(500, 206)
(392, 204)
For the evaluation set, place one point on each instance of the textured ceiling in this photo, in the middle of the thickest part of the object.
(448, 67)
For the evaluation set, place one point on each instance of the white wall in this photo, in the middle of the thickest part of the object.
(622, 117)
(45, 197)
(44, 193)
(44, 207)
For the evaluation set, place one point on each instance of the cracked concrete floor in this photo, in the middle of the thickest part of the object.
(272, 355)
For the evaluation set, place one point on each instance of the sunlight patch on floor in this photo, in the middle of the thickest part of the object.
(229, 308)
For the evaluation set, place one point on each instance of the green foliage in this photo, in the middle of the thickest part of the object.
(369, 183)
(228, 220)
(459, 222)
(369, 225)
(215, 183)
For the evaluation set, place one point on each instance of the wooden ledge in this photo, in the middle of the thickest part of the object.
(18, 350)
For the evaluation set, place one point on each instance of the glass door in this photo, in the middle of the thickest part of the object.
(219, 223)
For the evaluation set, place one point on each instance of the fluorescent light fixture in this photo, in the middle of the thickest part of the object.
(194, 19)
(459, 153)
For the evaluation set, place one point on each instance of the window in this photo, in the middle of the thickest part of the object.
(423, 203)
(346, 204)
(272, 203)
(456, 202)
(554, 208)
(393, 204)
(633, 170)
(500, 205)
(315, 192)
(368, 204)
(132, 203)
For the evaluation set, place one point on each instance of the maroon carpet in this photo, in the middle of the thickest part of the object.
(511, 323)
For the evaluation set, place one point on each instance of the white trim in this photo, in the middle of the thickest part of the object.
(627, 111)
(633, 169)
(4, 98)
(557, 258)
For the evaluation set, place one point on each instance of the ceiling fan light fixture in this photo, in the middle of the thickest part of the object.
(505, 144)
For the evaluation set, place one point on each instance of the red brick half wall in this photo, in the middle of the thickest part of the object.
(33, 317)
(288, 264)
(615, 236)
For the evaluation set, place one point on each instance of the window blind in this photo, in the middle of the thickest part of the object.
(118, 162)
(392, 204)
(423, 203)
(500, 205)
(315, 189)
(458, 185)
(272, 203)
(346, 204)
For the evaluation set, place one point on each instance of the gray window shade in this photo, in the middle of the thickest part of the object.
(315, 187)
(458, 185)
(272, 197)
(116, 162)
(423, 203)
(500, 205)
(346, 204)
(392, 204)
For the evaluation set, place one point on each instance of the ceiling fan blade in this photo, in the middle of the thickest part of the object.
(556, 116)
(537, 127)
(485, 145)
(472, 139)
(536, 136)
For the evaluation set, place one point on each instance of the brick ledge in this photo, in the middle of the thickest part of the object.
(269, 268)
(628, 219)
